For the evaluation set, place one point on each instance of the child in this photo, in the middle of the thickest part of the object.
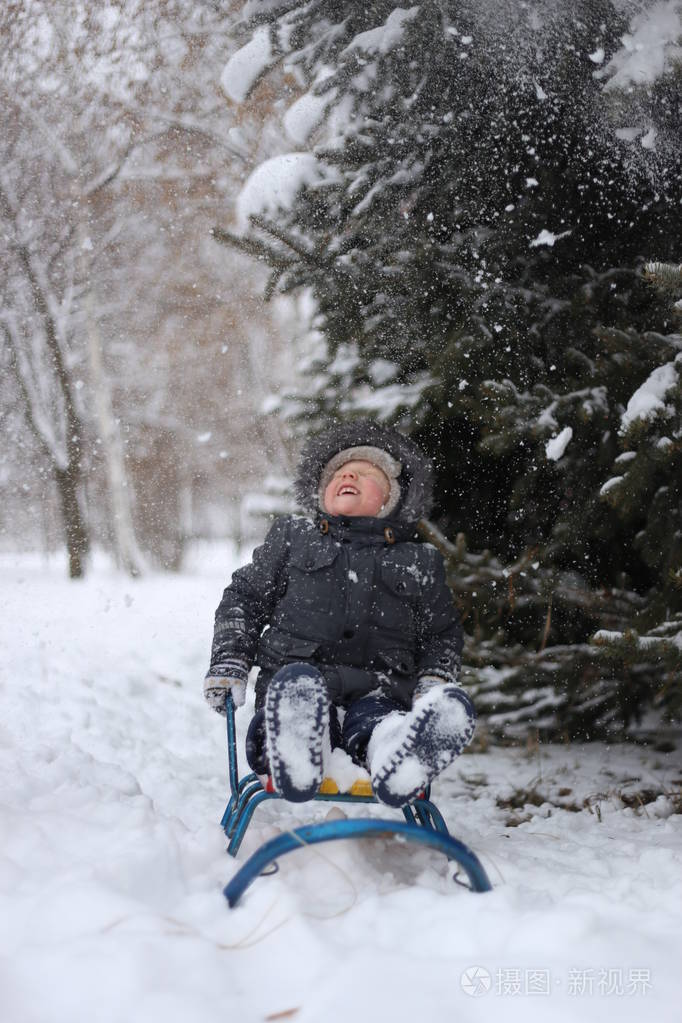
(352, 625)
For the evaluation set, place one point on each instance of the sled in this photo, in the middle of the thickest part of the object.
(423, 824)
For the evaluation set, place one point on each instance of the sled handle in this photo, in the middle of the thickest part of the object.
(231, 745)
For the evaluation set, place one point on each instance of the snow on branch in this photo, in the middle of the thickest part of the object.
(384, 402)
(275, 184)
(556, 446)
(309, 110)
(666, 276)
(630, 642)
(650, 48)
(385, 37)
(247, 65)
(647, 403)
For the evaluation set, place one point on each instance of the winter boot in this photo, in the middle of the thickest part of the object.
(297, 730)
(407, 751)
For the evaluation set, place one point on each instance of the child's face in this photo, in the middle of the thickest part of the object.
(357, 488)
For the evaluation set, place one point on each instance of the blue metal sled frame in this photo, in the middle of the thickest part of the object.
(423, 823)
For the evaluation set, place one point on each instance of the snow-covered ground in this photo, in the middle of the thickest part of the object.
(112, 861)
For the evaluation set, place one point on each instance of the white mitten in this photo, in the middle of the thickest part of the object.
(216, 689)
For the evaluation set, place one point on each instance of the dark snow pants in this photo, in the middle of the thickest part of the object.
(352, 734)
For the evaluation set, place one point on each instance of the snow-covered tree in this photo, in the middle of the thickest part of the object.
(35, 303)
(117, 155)
(646, 494)
(471, 215)
(61, 151)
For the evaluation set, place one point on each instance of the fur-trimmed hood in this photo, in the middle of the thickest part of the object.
(416, 478)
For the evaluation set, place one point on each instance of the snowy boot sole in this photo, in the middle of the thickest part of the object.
(407, 751)
(297, 728)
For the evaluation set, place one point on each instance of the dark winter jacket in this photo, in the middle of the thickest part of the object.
(360, 598)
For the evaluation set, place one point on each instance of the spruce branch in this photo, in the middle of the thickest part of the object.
(624, 341)
(432, 534)
(286, 239)
(252, 247)
(664, 340)
(270, 287)
(630, 646)
(665, 276)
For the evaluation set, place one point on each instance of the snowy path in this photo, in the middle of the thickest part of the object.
(112, 864)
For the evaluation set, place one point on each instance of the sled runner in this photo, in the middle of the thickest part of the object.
(423, 823)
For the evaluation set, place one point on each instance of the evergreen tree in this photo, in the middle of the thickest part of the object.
(473, 242)
(646, 494)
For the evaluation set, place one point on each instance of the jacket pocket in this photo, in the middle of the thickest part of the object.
(312, 558)
(400, 662)
(312, 586)
(276, 648)
(396, 602)
(401, 580)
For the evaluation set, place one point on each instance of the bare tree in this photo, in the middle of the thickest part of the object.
(141, 352)
(31, 327)
(68, 131)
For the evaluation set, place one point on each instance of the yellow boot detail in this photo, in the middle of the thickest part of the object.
(361, 788)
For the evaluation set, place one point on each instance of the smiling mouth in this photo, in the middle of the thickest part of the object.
(346, 489)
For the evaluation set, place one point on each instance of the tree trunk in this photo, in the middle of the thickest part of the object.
(67, 476)
(128, 553)
(75, 532)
